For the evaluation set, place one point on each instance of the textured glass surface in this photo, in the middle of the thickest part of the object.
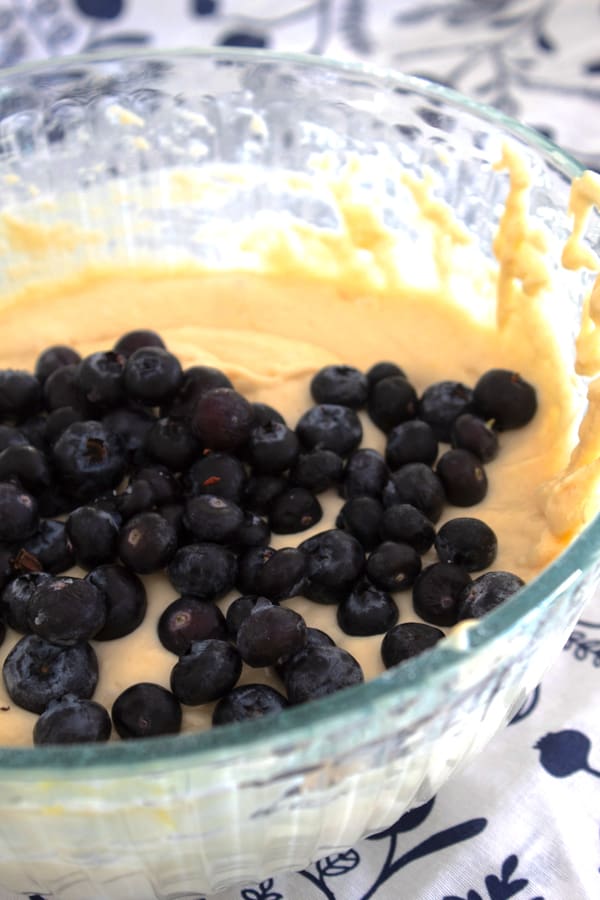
(182, 816)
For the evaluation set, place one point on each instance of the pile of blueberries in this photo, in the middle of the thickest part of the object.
(126, 464)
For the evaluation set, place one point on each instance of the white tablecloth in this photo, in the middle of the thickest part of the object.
(523, 820)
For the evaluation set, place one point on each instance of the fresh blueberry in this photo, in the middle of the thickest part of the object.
(20, 394)
(265, 414)
(18, 513)
(212, 518)
(418, 485)
(16, 597)
(222, 419)
(164, 485)
(365, 474)
(505, 398)
(361, 517)
(407, 640)
(11, 437)
(468, 542)
(34, 429)
(93, 534)
(409, 442)
(132, 427)
(317, 470)
(254, 531)
(486, 592)
(294, 510)
(37, 671)
(407, 524)
(248, 702)
(262, 490)
(62, 388)
(208, 671)
(124, 597)
(206, 570)
(330, 426)
(334, 562)
(320, 671)
(188, 619)
(240, 608)
(270, 635)
(88, 459)
(392, 400)
(196, 381)
(314, 638)
(272, 448)
(250, 564)
(437, 591)
(463, 476)
(281, 575)
(50, 547)
(72, 720)
(441, 403)
(66, 610)
(137, 497)
(57, 421)
(170, 441)
(53, 358)
(134, 340)
(147, 543)
(101, 378)
(146, 710)
(344, 385)
(382, 370)
(471, 433)
(152, 375)
(393, 566)
(367, 610)
(26, 464)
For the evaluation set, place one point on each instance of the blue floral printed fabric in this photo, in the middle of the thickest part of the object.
(522, 820)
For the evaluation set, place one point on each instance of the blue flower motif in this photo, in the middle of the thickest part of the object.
(563, 753)
(262, 892)
(100, 9)
(501, 888)
(204, 7)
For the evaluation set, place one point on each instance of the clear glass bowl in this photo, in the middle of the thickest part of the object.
(182, 816)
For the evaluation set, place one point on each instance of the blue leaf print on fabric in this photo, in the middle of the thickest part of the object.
(411, 819)
(204, 7)
(338, 863)
(501, 888)
(119, 39)
(562, 753)
(100, 9)
(527, 708)
(262, 892)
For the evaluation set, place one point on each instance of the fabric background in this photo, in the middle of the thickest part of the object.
(522, 820)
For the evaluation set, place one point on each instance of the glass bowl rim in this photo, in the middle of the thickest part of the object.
(437, 664)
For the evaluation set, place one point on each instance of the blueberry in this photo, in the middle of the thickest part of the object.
(101, 378)
(471, 433)
(216, 473)
(20, 394)
(206, 570)
(11, 437)
(7, 571)
(248, 702)
(57, 421)
(393, 566)
(208, 671)
(505, 398)
(463, 476)
(164, 485)
(436, 593)
(196, 381)
(93, 534)
(124, 598)
(170, 441)
(16, 597)
(262, 490)
(53, 358)
(18, 513)
(240, 608)
(265, 414)
(314, 638)
(330, 426)
(50, 547)
(2, 632)
(27, 464)
(392, 400)
(212, 518)
(137, 497)
(62, 388)
(294, 510)
(132, 427)
(412, 441)
(147, 543)
(272, 448)
(361, 517)
(334, 562)
(66, 610)
(468, 542)
(367, 610)
(152, 375)
(34, 429)
(486, 592)
(441, 403)
(382, 370)
(270, 635)
(131, 341)
(188, 619)
(407, 640)
(71, 720)
(418, 485)
(250, 564)
(146, 710)
(173, 513)
(37, 671)
(344, 385)
(254, 531)
(407, 524)
(88, 459)
(317, 470)
(222, 419)
(320, 671)
(365, 474)
(281, 575)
